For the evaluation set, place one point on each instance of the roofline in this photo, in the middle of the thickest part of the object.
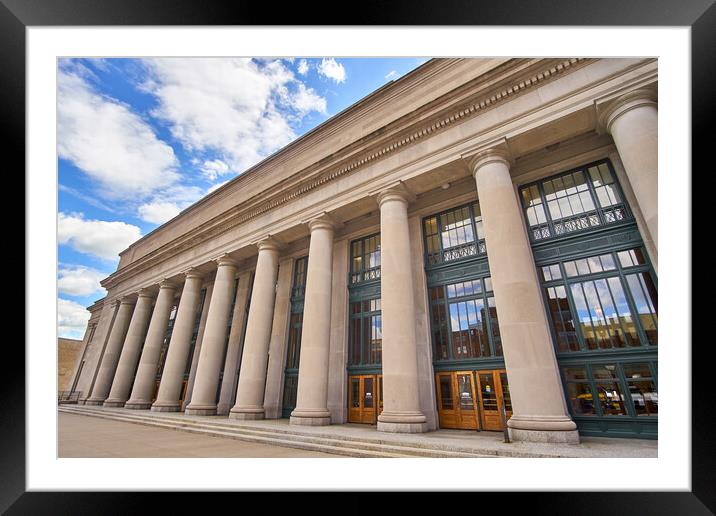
(286, 148)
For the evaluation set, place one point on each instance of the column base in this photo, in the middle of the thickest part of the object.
(200, 410)
(543, 429)
(114, 403)
(97, 402)
(138, 404)
(310, 417)
(402, 422)
(247, 414)
(166, 407)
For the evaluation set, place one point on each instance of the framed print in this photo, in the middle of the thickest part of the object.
(424, 255)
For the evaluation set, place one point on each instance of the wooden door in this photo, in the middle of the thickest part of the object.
(457, 401)
(494, 393)
(363, 398)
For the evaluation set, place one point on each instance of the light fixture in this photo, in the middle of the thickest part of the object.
(445, 186)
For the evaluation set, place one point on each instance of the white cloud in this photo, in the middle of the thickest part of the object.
(168, 203)
(158, 212)
(306, 100)
(97, 237)
(109, 142)
(239, 109)
(391, 75)
(303, 67)
(78, 280)
(214, 168)
(332, 69)
(71, 319)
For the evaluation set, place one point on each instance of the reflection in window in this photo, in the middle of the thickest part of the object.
(365, 259)
(454, 234)
(575, 201)
(365, 332)
(464, 320)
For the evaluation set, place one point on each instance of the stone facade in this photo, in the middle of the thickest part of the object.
(204, 313)
(68, 351)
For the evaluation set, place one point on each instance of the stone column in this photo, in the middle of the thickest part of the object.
(401, 403)
(145, 378)
(100, 391)
(203, 396)
(312, 397)
(127, 365)
(539, 409)
(633, 123)
(177, 354)
(254, 360)
(233, 348)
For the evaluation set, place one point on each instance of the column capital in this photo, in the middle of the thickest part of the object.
(323, 221)
(193, 273)
(268, 243)
(498, 153)
(167, 284)
(226, 260)
(129, 299)
(145, 292)
(609, 110)
(394, 192)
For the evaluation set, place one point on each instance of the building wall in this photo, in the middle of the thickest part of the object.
(546, 114)
(68, 351)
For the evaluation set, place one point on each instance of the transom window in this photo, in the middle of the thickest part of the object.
(454, 234)
(612, 389)
(606, 301)
(365, 333)
(365, 259)
(464, 320)
(579, 200)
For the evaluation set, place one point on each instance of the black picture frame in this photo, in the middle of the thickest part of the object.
(700, 15)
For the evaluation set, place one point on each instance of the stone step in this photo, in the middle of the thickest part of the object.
(334, 441)
(310, 446)
(394, 449)
(429, 449)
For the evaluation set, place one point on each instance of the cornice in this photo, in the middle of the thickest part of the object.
(418, 132)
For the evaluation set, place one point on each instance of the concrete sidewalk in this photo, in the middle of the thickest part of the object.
(86, 436)
(355, 435)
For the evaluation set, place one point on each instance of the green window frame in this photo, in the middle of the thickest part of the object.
(624, 389)
(195, 332)
(365, 259)
(601, 301)
(365, 331)
(295, 329)
(577, 201)
(464, 320)
(453, 235)
(165, 342)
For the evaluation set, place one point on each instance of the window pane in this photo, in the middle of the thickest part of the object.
(583, 316)
(575, 373)
(581, 399)
(611, 399)
(643, 292)
(600, 325)
(446, 397)
(624, 311)
(645, 398)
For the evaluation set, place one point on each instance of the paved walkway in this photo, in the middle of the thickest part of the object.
(85, 436)
(125, 435)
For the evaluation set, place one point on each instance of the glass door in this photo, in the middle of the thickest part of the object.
(494, 393)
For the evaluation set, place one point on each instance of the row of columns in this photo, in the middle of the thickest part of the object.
(539, 407)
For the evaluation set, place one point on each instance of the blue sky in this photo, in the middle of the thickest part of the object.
(141, 139)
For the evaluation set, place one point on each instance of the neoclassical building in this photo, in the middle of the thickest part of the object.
(473, 243)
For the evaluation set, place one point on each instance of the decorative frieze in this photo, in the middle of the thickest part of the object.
(239, 216)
